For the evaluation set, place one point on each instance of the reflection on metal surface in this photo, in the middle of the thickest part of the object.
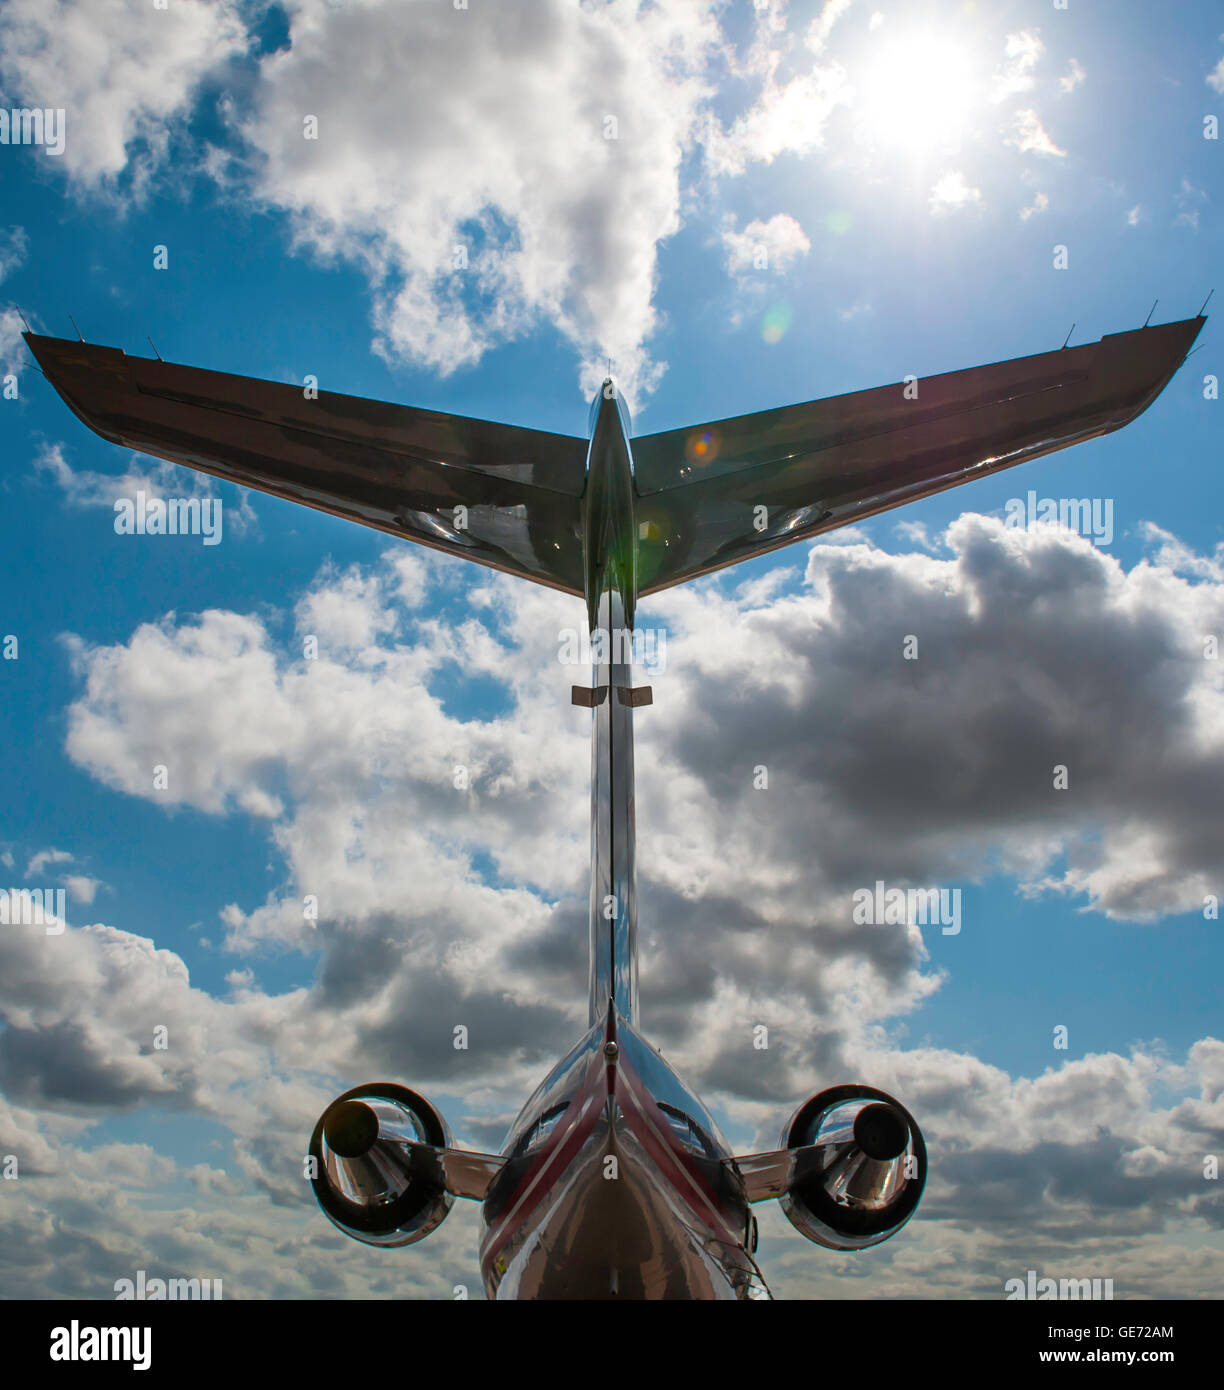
(375, 1172)
(391, 467)
(827, 462)
(614, 1181)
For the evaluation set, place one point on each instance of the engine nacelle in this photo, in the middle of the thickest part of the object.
(861, 1171)
(367, 1178)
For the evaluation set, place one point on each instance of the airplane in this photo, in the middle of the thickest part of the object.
(614, 1181)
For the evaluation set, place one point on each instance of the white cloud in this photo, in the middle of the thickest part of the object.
(1022, 51)
(1189, 204)
(916, 533)
(1134, 215)
(1175, 555)
(740, 921)
(83, 487)
(764, 246)
(83, 888)
(39, 861)
(124, 75)
(755, 927)
(345, 612)
(126, 686)
(1215, 78)
(952, 193)
(1028, 135)
(822, 26)
(13, 245)
(786, 119)
(1072, 78)
(559, 190)
(1039, 204)
(414, 574)
(13, 358)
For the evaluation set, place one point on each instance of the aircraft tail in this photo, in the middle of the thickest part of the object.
(499, 495)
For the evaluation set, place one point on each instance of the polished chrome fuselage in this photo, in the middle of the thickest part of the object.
(615, 1184)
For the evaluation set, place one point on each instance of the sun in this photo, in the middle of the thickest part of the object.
(918, 92)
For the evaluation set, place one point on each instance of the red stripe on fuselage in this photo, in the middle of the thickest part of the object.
(554, 1158)
(674, 1164)
(670, 1157)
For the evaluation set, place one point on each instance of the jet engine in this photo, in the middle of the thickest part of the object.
(858, 1167)
(374, 1171)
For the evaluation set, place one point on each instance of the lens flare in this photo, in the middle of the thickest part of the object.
(776, 322)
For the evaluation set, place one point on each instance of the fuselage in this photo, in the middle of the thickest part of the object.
(615, 1184)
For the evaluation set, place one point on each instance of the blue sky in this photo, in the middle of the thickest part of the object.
(909, 171)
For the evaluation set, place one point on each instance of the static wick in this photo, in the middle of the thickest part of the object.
(1067, 339)
(1151, 311)
(73, 322)
(23, 318)
(153, 345)
(1205, 303)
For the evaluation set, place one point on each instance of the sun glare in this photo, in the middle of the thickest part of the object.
(918, 92)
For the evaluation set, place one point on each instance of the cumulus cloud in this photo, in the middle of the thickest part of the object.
(482, 206)
(822, 26)
(39, 861)
(479, 209)
(1034, 648)
(952, 193)
(1022, 52)
(421, 779)
(156, 478)
(788, 118)
(124, 76)
(764, 246)
(83, 888)
(1029, 136)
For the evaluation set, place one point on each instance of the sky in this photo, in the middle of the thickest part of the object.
(742, 206)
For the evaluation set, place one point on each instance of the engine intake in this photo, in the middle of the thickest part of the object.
(860, 1171)
(368, 1177)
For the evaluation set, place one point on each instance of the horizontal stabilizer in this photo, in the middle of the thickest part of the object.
(497, 494)
(715, 494)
